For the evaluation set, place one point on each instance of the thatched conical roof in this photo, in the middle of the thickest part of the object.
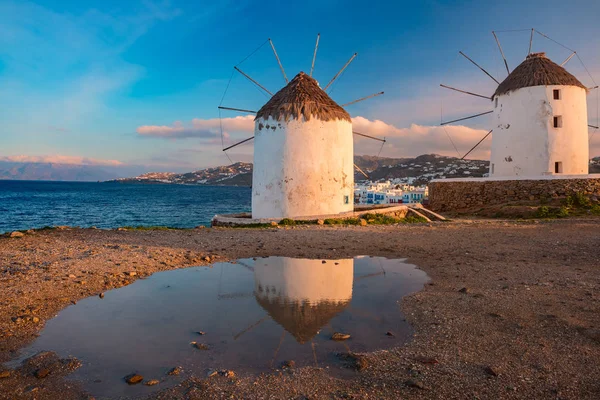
(537, 70)
(301, 318)
(302, 96)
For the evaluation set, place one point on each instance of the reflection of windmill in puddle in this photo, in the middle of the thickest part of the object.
(303, 296)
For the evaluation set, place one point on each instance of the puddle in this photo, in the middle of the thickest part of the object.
(256, 314)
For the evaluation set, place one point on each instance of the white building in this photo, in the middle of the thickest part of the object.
(387, 193)
(540, 122)
(303, 154)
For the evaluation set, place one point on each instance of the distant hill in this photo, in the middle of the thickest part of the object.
(53, 172)
(424, 168)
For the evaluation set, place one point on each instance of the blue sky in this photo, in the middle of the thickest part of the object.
(137, 83)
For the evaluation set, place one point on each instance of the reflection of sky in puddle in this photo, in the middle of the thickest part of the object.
(256, 314)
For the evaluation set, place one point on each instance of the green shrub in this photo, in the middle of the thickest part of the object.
(287, 222)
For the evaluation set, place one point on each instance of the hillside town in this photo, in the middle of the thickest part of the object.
(389, 192)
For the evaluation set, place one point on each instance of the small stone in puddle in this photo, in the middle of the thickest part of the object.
(227, 373)
(101, 295)
(288, 364)
(133, 379)
(211, 372)
(201, 333)
(42, 373)
(152, 382)
(200, 346)
(175, 371)
(340, 336)
(415, 384)
(5, 373)
(464, 290)
(390, 333)
(491, 371)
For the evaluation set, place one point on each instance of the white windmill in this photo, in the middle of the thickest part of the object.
(540, 118)
(303, 150)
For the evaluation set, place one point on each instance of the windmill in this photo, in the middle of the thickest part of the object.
(304, 151)
(540, 117)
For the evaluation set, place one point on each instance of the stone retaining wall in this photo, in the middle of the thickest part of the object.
(457, 194)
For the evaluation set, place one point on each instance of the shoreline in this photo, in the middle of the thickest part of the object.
(530, 313)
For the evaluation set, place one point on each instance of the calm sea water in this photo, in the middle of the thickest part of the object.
(32, 204)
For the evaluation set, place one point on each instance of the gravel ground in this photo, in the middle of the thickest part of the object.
(512, 311)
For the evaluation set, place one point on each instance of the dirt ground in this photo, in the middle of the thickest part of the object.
(525, 325)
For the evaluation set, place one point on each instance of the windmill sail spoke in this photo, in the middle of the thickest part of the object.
(361, 171)
(501, 52)
(340, 71)
(252, 80)
(568, 59)
(530, 41)
(254, 325)
(237, 109)
(478, 143)
(363, 98)
(238, 143)
(367, 136)
(312, 67)
(462, 119)
(593, 126)
(278, 61)
(478, 66)
(465, 92)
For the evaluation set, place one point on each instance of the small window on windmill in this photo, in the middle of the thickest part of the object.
(346, 199)
(496, 103)
(556, 94)
(558, 167)
(492, 168)
(558, 121)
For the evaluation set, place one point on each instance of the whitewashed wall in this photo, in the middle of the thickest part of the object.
(524, 140)
(304, 280)
(302, 168)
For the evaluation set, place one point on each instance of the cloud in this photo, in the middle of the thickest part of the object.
(61, 159)
(418, 139)
(200, 128)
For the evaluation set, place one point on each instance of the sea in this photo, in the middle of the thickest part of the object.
(37, 204)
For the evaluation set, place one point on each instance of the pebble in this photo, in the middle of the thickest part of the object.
(207, 259)
(288, 364)
(175, 371)
(273, 223)
(201, 333)
(133, 379)
(320, 222)
(389, 333)
(101, 295)
(17, 234)
(491, 371)
(132, 273)
(5, 373)
(465, 290)
(200, 346)
(42, 373)
(340, 336)
(152, 382)
(227, 373)
(211, 372)
(415, 384)
(363, 222)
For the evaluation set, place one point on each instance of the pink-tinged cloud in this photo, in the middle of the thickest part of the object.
(60, 159)
(200, 128)
(419, 139)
